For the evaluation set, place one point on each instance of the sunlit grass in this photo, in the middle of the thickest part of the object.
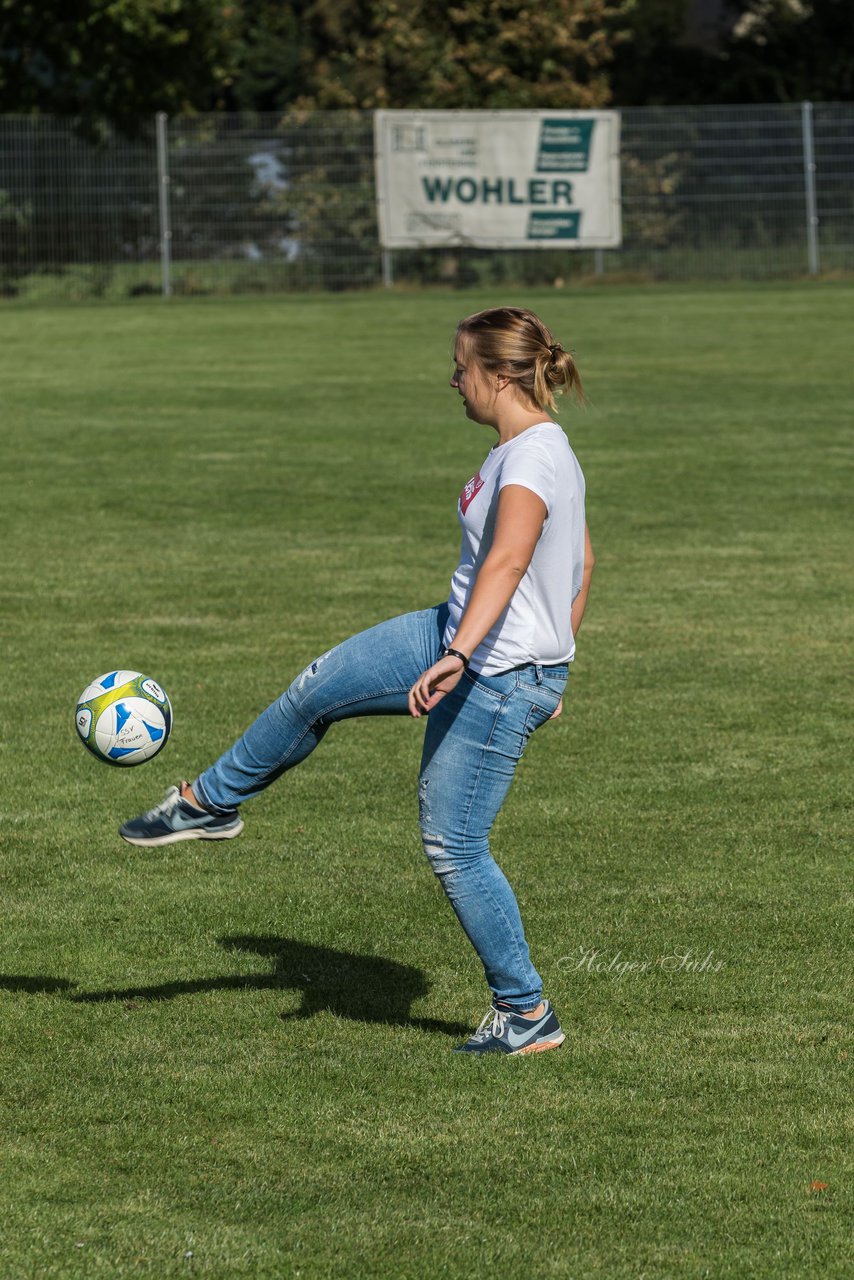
(236, 1061)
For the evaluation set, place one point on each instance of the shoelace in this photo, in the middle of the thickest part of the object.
(167, 804)
(493, 1024)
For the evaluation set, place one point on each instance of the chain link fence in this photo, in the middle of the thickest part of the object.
(240, 203)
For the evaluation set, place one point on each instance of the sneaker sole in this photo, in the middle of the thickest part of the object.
(192, 833)
(539, 1047)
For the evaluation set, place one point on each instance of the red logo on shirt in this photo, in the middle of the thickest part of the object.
(470, 492)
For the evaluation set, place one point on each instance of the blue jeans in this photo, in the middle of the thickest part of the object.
(474, 739)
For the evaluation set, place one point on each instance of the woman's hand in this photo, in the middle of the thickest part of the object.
(554, 715)
(433, 684)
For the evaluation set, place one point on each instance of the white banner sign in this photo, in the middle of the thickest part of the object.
(498, 179)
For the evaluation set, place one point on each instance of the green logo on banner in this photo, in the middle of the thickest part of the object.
(564, 146)
(554, 226)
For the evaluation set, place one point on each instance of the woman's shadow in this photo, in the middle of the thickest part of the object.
(362, 988)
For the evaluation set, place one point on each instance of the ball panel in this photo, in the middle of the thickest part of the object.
(114, 679)
(152, 689)
(110, 682)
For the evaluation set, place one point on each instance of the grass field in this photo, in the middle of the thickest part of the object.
(236, 1061)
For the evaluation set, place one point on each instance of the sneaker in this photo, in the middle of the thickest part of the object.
(176, 819)
(503, 1031)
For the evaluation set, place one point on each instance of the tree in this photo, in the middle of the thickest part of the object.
(116, 59)
(475, 53)
(660, 60)
(748, 51)
(791, 50)
(122, 60)
(271, 59)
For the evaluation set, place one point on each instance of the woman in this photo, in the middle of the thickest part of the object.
(488, 667)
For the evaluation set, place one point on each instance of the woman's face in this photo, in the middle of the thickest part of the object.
(471, 383)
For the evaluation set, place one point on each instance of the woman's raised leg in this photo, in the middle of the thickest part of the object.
(368, 674)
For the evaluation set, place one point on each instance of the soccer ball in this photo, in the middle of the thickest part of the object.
(123, 718)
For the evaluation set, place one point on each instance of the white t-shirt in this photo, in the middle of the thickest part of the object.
(535, 626)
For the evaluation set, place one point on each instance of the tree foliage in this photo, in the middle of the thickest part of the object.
(791, 50)
(656, 64)
(758, 51)
(115, 59)
(475, 53)
(122, 60)
(271, 57)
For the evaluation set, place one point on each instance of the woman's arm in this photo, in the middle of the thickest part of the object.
(580, 602)
(518, 525)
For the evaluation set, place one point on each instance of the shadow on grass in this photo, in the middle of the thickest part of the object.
(34, 984)
(363, 988)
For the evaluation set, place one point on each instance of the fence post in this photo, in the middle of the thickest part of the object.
(809, 187)
(165, 222)
(388, 269)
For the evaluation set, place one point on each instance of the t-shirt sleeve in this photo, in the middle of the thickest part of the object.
(533, 468)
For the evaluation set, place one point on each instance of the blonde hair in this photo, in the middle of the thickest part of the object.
(515, 344)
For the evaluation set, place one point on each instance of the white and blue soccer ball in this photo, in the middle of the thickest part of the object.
(123, 717)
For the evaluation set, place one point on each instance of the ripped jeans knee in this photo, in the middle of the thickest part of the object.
(434, 849)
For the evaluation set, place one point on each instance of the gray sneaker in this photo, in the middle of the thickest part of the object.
(503, 1031)
(176, 819)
